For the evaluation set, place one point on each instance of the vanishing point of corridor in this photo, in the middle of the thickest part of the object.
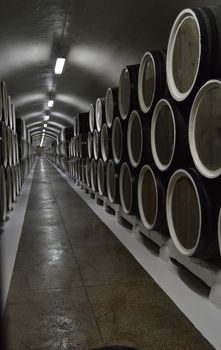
(75, 286)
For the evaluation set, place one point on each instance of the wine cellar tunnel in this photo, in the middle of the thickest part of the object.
(110, 174)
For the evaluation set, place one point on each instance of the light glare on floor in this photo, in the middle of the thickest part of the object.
(59, 65)
(42, 140)
(50, 103)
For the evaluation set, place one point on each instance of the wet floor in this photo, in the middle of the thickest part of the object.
(75, 286)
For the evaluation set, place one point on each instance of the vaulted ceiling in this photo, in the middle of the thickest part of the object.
(97, 37)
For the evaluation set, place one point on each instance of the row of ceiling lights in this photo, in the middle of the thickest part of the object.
(59, 65)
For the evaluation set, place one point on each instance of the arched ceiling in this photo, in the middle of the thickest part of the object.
(38, 122)
(49, 138)
(49, 128)
(48, 132)
(97, 38)
(36, 140)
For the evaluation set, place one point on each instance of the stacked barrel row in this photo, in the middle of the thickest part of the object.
(27, 152)
(77, 147)
(58, 152)
(154, 144)
(16, 155)
(51, 152)
(63, 151)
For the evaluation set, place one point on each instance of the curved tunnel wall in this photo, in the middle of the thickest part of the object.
(94, 58)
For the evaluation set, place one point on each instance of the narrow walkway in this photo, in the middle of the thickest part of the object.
(75, 286)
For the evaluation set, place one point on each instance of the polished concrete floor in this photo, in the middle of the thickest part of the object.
(75, 286)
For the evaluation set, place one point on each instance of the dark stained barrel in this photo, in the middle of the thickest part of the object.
(205, 129)
(13, 118)
(16, 148)
(96, 144)
(127, 92)
(93, 174)
(88, 172)
(17, 178)
(77, 146)
(74, 146)
(105, 143)
(3, 195)
(89, 144)
(101, 177)
(92, 118)
(10, 116)
(138, 139)
(4, 98)
(83, 150)
(128, 189)
(74, 168)
(14, 155)
(4, 145)
(193, 52)
(14, 180)
(169, 136)
(75, 125)
(191, 210)
(135, 139)
(9, 145)
(151, 79)
(112, 174)
(119, 140)
(111, 106)
(100, 113)
(8, 188)
(83, 170)
(151, 194)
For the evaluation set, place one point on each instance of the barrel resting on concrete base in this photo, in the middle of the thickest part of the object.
(207, 272)
(113, 207)
(157, 237)
(130, 219)
(85, 188)
(204, 270)
(100, 200)
(215, 292)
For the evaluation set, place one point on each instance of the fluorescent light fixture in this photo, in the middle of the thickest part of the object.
(46, 117)
(45, 125)
(43, 130)
(50, 103)
(59, 65)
